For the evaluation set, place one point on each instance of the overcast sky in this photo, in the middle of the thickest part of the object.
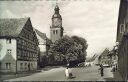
(94, 20)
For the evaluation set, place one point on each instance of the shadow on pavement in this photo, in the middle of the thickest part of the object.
(109, 79)
(47, 68)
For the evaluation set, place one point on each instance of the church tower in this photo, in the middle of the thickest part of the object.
(56, 29)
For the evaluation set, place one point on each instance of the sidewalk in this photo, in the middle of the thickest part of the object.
(110, 76)
(117, 76)
(5, 76)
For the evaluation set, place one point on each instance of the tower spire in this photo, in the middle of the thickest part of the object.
(57, 8)
(56, 14)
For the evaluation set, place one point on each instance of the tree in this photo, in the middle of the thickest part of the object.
(68, 49)
(81, 42)
(62, 45)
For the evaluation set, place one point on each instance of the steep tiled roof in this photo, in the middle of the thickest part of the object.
(11, 26)
(105, 52)
(42, 35)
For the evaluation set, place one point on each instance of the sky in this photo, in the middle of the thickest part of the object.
(94, 20)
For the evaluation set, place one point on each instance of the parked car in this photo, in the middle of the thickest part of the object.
(81, 65)
(106, 65)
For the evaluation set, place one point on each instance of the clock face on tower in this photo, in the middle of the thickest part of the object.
(57, 22)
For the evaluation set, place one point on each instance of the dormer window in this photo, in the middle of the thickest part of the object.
(8, 41)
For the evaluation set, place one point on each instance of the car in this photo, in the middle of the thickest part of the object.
(106, 65)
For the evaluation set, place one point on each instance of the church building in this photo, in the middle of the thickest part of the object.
(56, 29)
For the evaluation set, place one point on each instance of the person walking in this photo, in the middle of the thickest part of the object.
(68, 73)
(101, 70)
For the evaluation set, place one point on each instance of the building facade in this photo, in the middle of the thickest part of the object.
(122, 39)
(56, 30)
(42, 39)
(104, 59)
(19, 45)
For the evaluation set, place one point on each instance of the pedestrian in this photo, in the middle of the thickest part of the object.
(101, 70)
(68, 73)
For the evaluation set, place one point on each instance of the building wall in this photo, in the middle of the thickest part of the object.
(122, 31)
(42, 43)
(23, 66)
(122, 21)
(123, 58)
(8, 57)
(55, 34)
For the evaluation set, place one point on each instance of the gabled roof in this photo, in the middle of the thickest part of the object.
(11, 27)
(105, 52)
(42, 35)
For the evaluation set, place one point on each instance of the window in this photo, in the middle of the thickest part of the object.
(9, 51)
(127, 27)
(21, 66)
(53, 31)
(8, 65)
(23, 42)
(25, 65)
(8, 41)
(0, 65)
(56, 31)
(122, 28)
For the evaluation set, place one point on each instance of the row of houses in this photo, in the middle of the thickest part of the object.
(121, 51)
(20, 45)
(108, 57)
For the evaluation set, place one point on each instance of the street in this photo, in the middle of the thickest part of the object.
(57, 74)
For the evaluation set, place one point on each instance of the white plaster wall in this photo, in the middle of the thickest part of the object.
(5, 46)
(42, 48)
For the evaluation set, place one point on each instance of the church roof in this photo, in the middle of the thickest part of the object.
(11, 26)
